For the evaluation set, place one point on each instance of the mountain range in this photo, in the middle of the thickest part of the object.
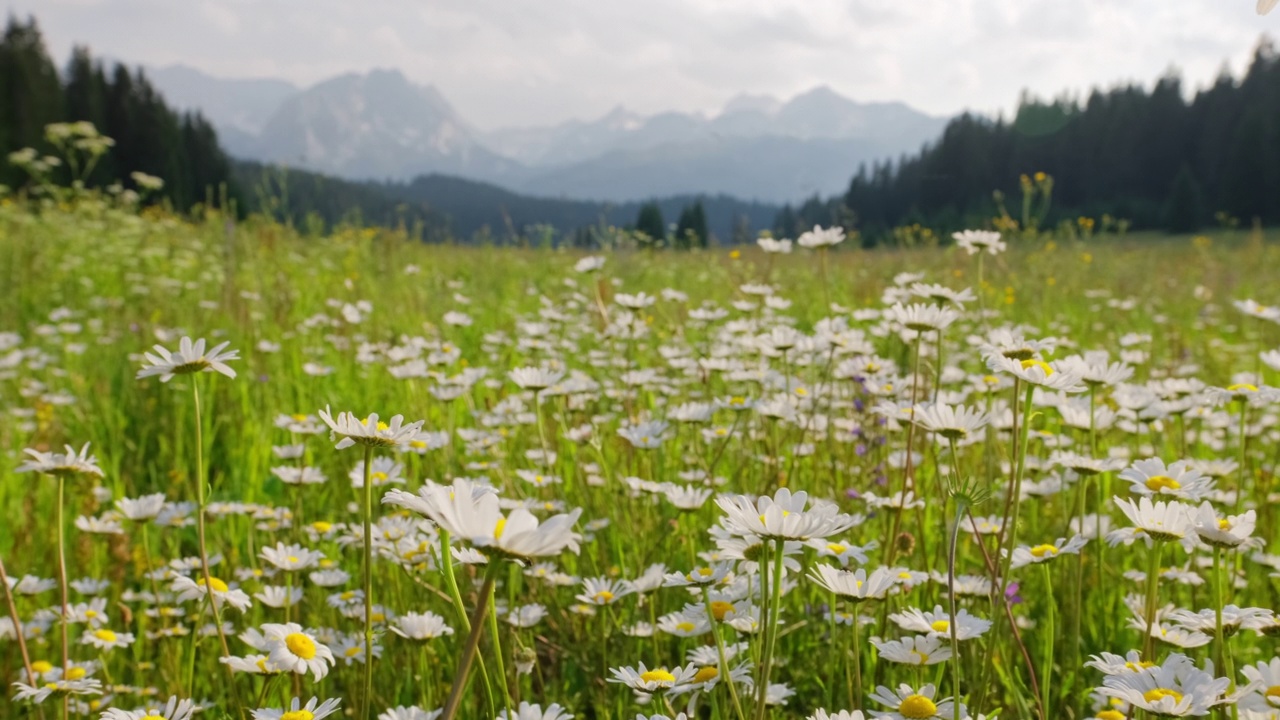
(382, 126)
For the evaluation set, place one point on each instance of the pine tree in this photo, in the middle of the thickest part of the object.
(650, 222)
(1184, 210)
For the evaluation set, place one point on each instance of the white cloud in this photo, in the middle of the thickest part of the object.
(503, 62)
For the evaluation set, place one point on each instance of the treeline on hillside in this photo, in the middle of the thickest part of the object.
(180, 148)
(1150, 156)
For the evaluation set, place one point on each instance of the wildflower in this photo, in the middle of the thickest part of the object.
(1025, 555)
(368, 431)
(820, 237)
(1264, 684)
(856, 585)
(530, 711)
(657, 679)
(147, 507)
(410, 712)
(175, 709)
(1037, 372)
(915, 650)
(1222, 532)
(976, 241)
(291, 557)
(782, 516)
(420, 626)
(65, 464)
(190, 358)
(1180, 479)
(1176, 688)
(951, 422)
(938, 623)
(298, 711)
(921, 317)
(603, 591)
(1160, 521)
(105, 639)
(532, 378)
(293, 650)
(188, 589)
(906, 703)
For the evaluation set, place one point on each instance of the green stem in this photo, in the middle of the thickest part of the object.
(1153, 581)
(497, 653)
(771, 629)
(62, 583)
(469, 650)
(724, 662)
(368, 582)
(1046, 672)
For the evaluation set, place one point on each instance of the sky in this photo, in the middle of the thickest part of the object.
(535, 62)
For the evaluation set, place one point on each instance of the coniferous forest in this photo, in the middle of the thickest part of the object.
(1151, 156)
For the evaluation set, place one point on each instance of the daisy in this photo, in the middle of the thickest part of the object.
(771, 245)
(532, 378)
(821, 714)
(190, 358)
(291, 557)
(147, 507)
(1179, 479)
(411, 712)
(655, 680)
(1037, 372)
(1264, 679)
(298, 711)
(951, 422)
(420, 626)
(921, 317)
(1163, 521)
(175, 709)
(906, 703)
(682, 624)
(368, 431)
(603, 591)
(529, 711)
(188, 589)
(938, 623)
(293, 650)
(857, 585)
(782, 516)
(64, 464)
(105, 639)
(1025, 555)
(590, 263)
(1176, 688)
(820, 237)
(279, 596)
(916, 650)
(1222, 532)
(976, 241)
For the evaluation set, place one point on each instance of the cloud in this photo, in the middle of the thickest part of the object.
(519, 63)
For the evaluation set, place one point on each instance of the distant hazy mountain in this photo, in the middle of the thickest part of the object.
(239, 109)
(382, 126)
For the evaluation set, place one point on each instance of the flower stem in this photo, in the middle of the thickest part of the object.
(771, 630)
(497, 654)
(368, 582)
(724, 663)
(1153, 580)
(62, 583)
(1046, 672)
(469, 650)
(17, 625)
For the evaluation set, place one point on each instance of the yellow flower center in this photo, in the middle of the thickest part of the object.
(78, 673)
(720, 608)
(300, 645)
(1243, 387)
(940, 625)
(215, 583)
(917, 707)
(379, 477)
(321, 526)
(377, 617)
(105, 636)
(685, 626)
(904, 575)
(292, 558)
(382, 427)
(836, 548)
(1044, 366)
(1110, 715)
(1158, 694)
(603, 597)
(262, 664)
(706, 674)
(1156, 483)
(298, 714)
(299, 417)
(352, 651)
(1272, 694)
(1223, 524)
(924, 657)
(1042, 550)
(90, 614)
(153, 717)
(499, 527)
(658, 675)
(42, 666)
(348, 596)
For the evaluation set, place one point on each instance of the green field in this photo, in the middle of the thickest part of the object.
(803, 385)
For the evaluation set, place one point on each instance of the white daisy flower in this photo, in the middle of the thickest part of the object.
(188, 589)
(293, 650)
(1177, 688)
(175, 709)
(190, 358)
(906, 703)
(368, 431)
(914, 650)
(420, 626)
(66, 463)
(938, 623)
(530, 711)
(1180, 479)
(313, 710)
(782, 516)
(976, 241)
(655, 680)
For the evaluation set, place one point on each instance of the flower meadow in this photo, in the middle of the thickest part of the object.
(250, 472)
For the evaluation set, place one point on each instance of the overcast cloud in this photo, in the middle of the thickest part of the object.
(523, 62)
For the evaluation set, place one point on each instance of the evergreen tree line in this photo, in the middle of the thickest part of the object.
(690, 230)
(1152, 157)
(180, 148)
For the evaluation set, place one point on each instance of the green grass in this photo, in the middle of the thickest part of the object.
(125, 282)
